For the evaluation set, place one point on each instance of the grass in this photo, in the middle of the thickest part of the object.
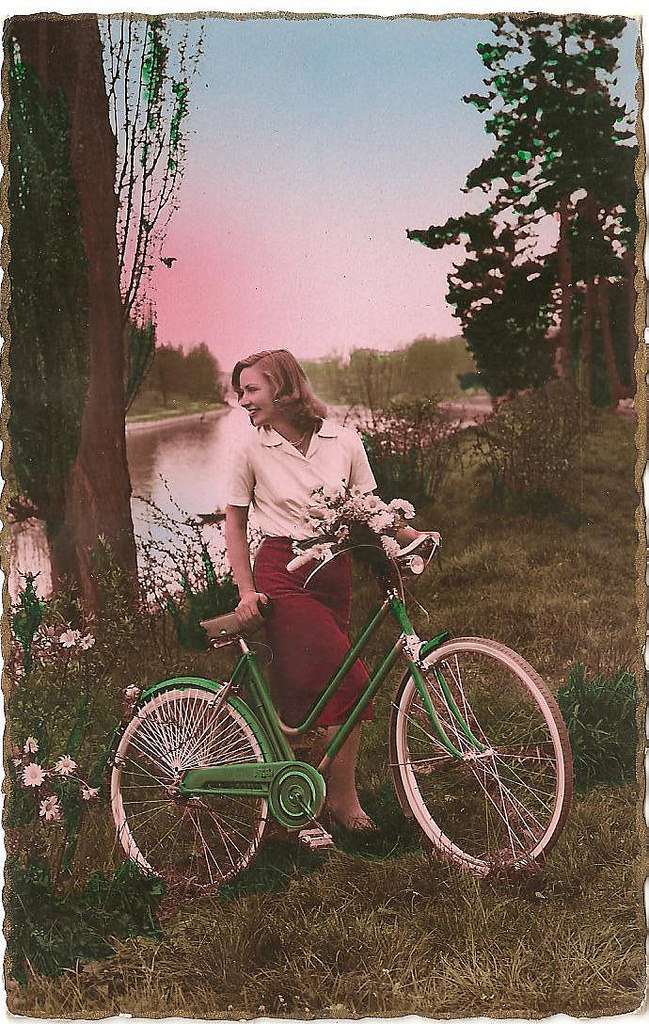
(383, 929)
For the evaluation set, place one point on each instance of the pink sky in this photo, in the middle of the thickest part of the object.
(314, 146)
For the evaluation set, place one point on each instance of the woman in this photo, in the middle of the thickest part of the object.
(293, 450)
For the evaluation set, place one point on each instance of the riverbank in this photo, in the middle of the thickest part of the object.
(175, 417)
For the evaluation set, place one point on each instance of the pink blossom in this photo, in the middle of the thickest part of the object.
(65, 765)
(69, 638)
(132, 692)
(50, 808)
(33, 774)
(86, 642)
(89, 794)
(31, 745)
(17, 761)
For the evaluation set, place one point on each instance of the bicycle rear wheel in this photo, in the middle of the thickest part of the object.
(500, 810)
(194, 843)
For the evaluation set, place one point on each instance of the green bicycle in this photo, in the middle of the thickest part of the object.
(478, 751)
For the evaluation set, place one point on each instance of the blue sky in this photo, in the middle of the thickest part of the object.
(315, 144)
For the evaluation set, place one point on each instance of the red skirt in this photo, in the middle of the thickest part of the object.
(308, 633)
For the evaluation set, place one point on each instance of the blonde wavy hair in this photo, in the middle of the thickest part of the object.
(292, 391)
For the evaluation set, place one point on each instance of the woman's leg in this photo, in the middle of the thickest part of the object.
(342, 797)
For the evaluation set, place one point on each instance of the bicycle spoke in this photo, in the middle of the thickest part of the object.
(503, 800)
(204, 839)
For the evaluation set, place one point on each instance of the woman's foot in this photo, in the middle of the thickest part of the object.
(353, 820)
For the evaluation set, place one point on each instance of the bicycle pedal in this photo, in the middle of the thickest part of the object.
(315, 838)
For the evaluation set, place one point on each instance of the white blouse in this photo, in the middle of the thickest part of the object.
(269, 473)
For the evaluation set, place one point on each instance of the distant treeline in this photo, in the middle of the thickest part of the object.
(423, 368)
(175, 379)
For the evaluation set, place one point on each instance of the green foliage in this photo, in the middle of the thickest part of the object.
(529, 444)
(217, 596)
(564, 144)
(411, 447)
(27, 618)
(150, 65)
(175, 378)
(373, 379)
(140, 353)
(49, 353)
(600, 715)
(505, 305)
(56, 932)
(68, 791)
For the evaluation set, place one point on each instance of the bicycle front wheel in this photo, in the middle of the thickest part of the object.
(499, 807)
(195, 843)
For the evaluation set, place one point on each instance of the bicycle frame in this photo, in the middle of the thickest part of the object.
(256, 779)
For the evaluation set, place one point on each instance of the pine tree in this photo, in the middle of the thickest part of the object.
(561, 139)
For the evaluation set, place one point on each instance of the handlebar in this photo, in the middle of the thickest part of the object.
(407, 556)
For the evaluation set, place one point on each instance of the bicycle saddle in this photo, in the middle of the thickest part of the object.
(225, 628)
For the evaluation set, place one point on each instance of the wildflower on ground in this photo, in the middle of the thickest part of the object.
(31, 745)
(86, 642)
(132, 692)
(50, 808)
(33, 774)
(65, 765)
(69, 638)
(88, 793)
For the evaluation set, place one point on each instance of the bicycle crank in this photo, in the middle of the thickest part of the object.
(296, 795)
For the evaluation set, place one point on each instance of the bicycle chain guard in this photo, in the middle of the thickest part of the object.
(296, 795)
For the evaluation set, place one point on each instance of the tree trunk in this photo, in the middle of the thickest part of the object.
(587, 336)
(632, 337)
(607, 339)
(565, 285)
(66, 53)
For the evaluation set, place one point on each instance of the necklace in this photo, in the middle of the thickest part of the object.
(298, 444)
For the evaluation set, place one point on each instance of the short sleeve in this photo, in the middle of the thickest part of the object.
(241, 478)
(361, 475)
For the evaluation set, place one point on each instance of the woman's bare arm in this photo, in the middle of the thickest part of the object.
(236, 542)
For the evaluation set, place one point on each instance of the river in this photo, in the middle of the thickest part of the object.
(179, 464)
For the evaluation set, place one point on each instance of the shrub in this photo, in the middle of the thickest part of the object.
(215, 595)
(182, 576)
(601, 720)
(529, 444)
(53, 933)
(411, 447)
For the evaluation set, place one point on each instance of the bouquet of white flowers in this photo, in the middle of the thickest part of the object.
(347, 517)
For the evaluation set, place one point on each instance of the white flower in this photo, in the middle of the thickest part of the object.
(86, 642)
(399, 505)
(69, 638)
(318, 551)
(382, 521)
(132, 692)
(50, 808)
(33, 774)
(390, 547)
(65, 765)
(89, 794)
(31, 745)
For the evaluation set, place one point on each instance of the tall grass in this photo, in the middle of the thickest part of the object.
(382, 929)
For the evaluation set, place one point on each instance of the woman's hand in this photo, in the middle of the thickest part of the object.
(248, 607)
